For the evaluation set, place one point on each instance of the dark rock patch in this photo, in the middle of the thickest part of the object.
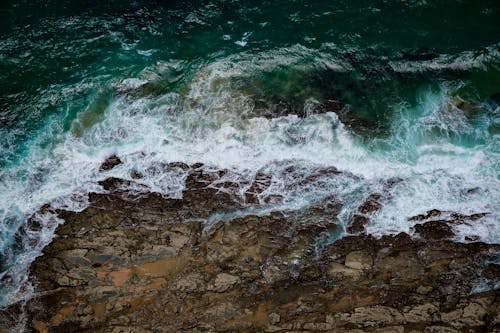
(434, 230)
(134, 174)
(110, 163)
(426, 216)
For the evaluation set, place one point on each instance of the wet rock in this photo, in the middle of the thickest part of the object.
(273, 108)
(426, 216)
(111, 162)
(260, 183)
(371, 204)
(361, 218)
(113, 183)
(332, 105)
(438, 224)
(152, 262)
(183, 166)
(434, 230)
(400, 240)
(358, 223)
(392, 182)
(134, 174)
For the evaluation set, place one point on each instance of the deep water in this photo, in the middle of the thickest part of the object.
(378, 89)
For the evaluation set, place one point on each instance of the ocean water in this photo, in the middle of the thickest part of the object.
(243, 85)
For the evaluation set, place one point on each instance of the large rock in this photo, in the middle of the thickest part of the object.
(152, 264)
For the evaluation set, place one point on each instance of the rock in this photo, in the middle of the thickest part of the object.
(152, 263)
(376, 315)
(391, 329)
(371, 204)
(224, 282)
(274, 318)
(421, 313)
(259, 185)
(273, 328)
(426, 216)
(434, 230)
(317, 326)
(110, 163)
(424, 290)
(359, 260)
(339, 271)
(419, 54)
(471, 315)
(190, 283)
(134, 174)
(357, 223)
(440, 329)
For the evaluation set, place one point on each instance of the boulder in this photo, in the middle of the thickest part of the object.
(110, 162)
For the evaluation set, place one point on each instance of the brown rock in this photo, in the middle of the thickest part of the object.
(359, 260)
(224, 282)
(434, 230)
(152, 264)
(110, 163)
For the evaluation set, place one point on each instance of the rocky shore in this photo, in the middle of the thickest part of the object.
(138, 262)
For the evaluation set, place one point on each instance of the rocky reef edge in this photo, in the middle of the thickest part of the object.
(135, 261)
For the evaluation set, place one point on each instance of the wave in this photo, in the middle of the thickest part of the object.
(440, 151)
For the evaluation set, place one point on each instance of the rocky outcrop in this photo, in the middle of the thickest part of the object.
(110, 163)
(151, 264)
(435, 224)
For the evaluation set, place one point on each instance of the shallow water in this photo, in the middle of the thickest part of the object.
(240, 85)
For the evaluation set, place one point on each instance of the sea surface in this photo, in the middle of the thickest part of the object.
(378, 89)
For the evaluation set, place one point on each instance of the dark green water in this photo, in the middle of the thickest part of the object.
(220, 81)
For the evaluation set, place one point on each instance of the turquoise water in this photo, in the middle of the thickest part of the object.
(241, 85)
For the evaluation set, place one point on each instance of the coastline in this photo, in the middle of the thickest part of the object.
(145, 263)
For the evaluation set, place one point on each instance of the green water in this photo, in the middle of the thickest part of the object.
(218, 81)
(49, 46)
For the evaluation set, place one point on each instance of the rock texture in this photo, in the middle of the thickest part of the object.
(150, 264)
(110, 163)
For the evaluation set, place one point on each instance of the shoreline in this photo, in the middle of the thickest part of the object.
(149, 264)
